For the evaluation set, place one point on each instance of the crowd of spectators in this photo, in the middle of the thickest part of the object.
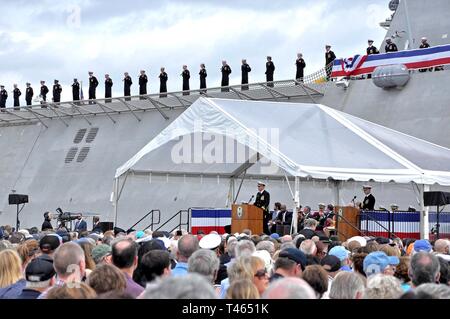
(144, 264)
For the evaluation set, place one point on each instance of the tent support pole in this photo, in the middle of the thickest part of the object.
(424, 214)
(118, 192)
(116, 199)
(230, 199)
(296, 200)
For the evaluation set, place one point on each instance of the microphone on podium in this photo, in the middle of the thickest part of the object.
(251, 198)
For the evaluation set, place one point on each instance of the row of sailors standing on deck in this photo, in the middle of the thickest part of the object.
(143, 80)
(163, 77)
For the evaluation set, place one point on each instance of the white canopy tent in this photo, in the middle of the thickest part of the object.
(301, 140)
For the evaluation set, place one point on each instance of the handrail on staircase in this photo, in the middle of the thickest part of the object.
(181, 223)
(152, 213)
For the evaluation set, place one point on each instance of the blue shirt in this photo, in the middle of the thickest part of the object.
(180, 269)
(224, 285)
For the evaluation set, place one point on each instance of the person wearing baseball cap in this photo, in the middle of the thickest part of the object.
(422, 245)
(378, 262)
(343, 255)
(102, 254)
(290, 263)
(39, 275)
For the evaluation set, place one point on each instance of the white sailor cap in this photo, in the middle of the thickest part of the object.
(261, 183)
(424, 39)
(322, 205)
(210, 241)
(388, 39)
(367, 186)
(394, 206)
(370, 41)
(361, 240)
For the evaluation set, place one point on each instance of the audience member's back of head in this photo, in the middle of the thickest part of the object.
(347, 285)
(317, 278)
(381, 286)
(424, 268)
(67, 256)
(243, 289)
(187, 245)
(435, 291)
(289, 288)
(245, 248)
(75, 291)
(154, 264)
(124, 252)
(240, 269)
(107, 278)
(444, 276)
(204, 262)
(190, 286)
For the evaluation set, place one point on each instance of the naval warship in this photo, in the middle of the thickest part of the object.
(66, 155)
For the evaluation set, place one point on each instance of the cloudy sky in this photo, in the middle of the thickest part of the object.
(49, 39)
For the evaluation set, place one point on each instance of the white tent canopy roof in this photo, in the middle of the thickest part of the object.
(312, 140)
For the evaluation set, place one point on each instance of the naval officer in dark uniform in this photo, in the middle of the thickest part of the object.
(93, 83)
(127, 83)
(3, 96)
(371, 49)
(108, 88)
(29, 94)
(186, 75)
(143, 84)
(163, 77)
(390, 46)
(270, 70)
(369, 201)
(263, 201)
(44, 91)
(16, 96)
(57, 89)
(203, 74)
(75, 90)
(300, 66)
(226, 71)
(245, 69)
(329, 58)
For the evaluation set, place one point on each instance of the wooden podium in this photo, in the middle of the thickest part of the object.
(246, 216)
(348, 224)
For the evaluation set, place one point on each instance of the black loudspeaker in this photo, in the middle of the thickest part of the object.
(17, 199)
(227, 229)
(436, 198)
(105, 226)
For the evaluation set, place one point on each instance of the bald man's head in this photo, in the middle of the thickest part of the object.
(124, 253)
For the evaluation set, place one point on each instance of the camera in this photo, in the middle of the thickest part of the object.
(66, 216)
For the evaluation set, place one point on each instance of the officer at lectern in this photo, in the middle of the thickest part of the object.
(369, 200)
(262, 201)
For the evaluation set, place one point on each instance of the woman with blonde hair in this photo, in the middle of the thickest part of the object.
(11, 278)
(242, 289)
(260, 274)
